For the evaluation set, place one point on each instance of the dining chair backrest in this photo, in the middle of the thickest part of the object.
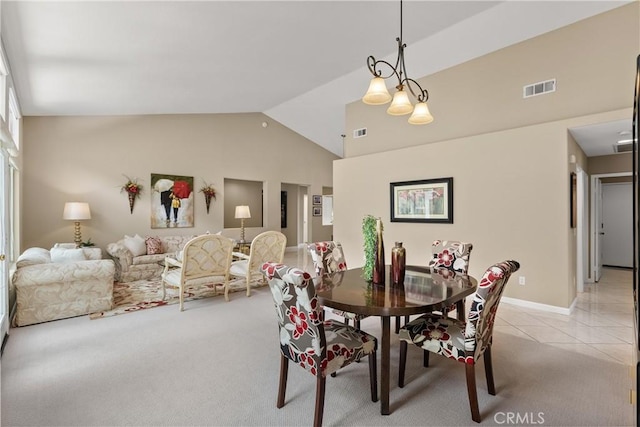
(484, 304)
(450, 254)
(206, 255)
(302, 335)
(328, 257)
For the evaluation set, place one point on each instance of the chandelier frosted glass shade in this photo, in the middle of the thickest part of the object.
(421, 114)
(377, 94)
(400, 104)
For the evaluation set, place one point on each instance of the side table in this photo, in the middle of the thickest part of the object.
(242, 247)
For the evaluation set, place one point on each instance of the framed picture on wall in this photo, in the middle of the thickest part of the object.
(317, 211)
(427, 200)
(171, 201)
(317, 200)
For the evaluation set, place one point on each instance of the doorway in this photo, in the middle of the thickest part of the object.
(617, 242)
(598, 232)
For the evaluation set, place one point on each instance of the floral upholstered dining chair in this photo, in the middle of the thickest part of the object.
(463, 341)
(450, 254)
(454, 256)
(319, 347)
(328, 258)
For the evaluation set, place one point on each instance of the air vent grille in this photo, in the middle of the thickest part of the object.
(623, 148)
(539, 88)
(359, 133)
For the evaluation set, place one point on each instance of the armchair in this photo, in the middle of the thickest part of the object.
(265, 247)
(205, 260)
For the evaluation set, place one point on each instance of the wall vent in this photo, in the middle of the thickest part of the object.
(539, 88)
(359, 133)
(623, 148)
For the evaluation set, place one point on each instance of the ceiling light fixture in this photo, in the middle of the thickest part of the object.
(377, 94)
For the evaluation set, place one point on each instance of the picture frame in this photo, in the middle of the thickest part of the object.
(317, 211)
(427, 200)
(573, 200)
(317, 199)
(172, 198)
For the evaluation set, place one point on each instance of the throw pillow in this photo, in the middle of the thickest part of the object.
(135, 244)
(154, 245)
(33, 256)
(62, 255)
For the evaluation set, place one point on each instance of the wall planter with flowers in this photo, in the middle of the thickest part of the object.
(209, 193)
(133, 190)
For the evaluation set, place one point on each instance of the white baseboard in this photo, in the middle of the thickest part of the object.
(539, 306)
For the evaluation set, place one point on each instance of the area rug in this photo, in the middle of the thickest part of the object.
(143, 294)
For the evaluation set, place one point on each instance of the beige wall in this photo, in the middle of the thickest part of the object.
(510, 157)
(593, 61)
(611, 163)
(84, 159)
(511, 200)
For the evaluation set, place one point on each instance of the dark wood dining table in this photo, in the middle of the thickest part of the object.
(421, 292)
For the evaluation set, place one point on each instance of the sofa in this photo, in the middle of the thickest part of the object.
(72, 282)
(141, 258)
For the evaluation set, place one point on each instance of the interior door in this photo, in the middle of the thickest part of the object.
(617, 242)
(598, 229)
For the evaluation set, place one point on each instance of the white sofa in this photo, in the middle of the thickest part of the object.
(79, 283)
(134, 263)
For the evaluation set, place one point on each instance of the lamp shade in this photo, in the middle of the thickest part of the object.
(421, 114)
(243, 212)
(377, 93)
(400, 104)
(76, 211)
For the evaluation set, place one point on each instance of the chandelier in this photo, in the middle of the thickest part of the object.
(401, 105)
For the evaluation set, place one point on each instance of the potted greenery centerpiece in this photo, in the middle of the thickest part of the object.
(369, 236)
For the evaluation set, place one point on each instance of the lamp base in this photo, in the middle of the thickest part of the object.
(77, 237)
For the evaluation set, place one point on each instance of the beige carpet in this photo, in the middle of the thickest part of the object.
(216, 364)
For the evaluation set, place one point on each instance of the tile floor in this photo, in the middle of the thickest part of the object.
(601, 324)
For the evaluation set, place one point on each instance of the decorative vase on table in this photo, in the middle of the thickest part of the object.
(398, 263)
(378, 266)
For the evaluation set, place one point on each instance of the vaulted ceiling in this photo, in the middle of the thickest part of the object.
(299, 62)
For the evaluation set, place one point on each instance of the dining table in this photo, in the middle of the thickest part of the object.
(422, 291)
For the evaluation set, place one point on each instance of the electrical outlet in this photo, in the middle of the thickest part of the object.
(521, 280)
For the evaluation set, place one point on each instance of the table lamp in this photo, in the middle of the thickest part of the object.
(242, 213)
(76, 211)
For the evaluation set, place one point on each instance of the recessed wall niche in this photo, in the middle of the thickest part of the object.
(239, 192)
